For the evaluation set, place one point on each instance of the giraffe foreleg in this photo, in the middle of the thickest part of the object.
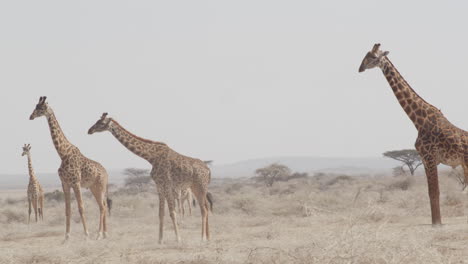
(161, 216)
(67, 195)
(79, 200)
(172, 213)
(29, 210)
(35, 203)
(433, 187)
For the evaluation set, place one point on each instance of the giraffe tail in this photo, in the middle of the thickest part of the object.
(209, 198)
(108, 201)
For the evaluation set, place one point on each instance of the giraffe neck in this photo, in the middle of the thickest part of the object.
(414, 105)
(144, 148)
(32, 176)
(61, 143)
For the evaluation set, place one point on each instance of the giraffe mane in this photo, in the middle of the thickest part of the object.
(393, 66)
(137, 137)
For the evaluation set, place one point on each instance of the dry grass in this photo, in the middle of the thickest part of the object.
(328, 219)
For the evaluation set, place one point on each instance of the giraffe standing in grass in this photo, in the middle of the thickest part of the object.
(75, 172)
(35, 192)
(439, 141)
(184, 197)
(171, 172)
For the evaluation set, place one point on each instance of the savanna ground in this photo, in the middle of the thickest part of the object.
(323, 219)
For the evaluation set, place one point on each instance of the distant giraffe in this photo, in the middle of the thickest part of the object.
(438, 140)
(171, 171)
(35, 192)
(184, 197)
(76, 171)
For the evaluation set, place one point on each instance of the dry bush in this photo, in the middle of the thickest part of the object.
(401, 184)
(12, 201)
(9, 216)
(233, 188)
(327, 180)
(56, 196)
(245, 205)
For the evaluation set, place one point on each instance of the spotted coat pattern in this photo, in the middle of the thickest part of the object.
(171, 171)
(35, 192)
(438, 141)
(76, 171)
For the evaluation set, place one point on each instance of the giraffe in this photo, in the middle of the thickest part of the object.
(438, 141)
(184, 196)
(35, 192)
(76, 171)
(171, 172)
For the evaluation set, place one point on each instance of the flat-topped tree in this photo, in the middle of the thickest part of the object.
(76, 171)
(35, 192)
(439, 141)
(172, 172)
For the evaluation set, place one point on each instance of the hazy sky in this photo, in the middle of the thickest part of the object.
(224, 80)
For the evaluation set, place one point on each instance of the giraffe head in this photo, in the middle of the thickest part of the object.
(42, 109)
(102, 124)
(373, 58)
(26, 149)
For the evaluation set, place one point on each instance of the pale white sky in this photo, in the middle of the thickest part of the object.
(224, 80)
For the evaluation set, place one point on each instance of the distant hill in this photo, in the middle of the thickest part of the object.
(352, 166)
(246, 168)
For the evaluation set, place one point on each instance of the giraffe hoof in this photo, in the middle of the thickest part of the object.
(99, 236)
(105, 235)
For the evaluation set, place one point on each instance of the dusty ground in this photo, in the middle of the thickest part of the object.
(317, 220)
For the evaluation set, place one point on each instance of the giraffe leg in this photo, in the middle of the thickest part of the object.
(189, 201)
(200, 195)
(172, 214)
(433, 187)
(41, 202)
(162, 200)
(183, 207)
(35, 203)
(79, 200)
(67, 194)
(29, 210)
(99, 196)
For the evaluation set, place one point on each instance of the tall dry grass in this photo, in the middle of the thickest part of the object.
(326, 219)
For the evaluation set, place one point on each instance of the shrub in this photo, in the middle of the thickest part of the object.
(10, 216)
(56, 195)
(403, 184)
(338, 179)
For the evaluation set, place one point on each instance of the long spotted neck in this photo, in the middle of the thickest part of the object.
(61, 143)
(415, 106)
(146, 149)
(32, 175)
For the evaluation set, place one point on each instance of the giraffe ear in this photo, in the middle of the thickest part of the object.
(385, 53)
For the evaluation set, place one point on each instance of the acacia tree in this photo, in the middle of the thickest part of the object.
(137, 178)
(409, 158)
(272, 173)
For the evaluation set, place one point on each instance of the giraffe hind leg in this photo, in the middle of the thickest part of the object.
(99, 196)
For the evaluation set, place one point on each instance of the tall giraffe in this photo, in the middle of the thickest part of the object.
(438, 140)
(35, 192)
(171, 172)
(76, 171)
